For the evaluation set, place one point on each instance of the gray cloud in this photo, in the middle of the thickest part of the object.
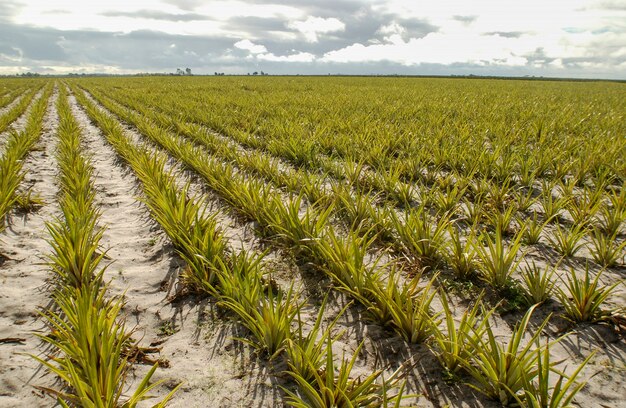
(320, 8)
(137, 50)
(507, 34)
(32, 43)
(257, 26)
(188, 5)
(9, 8)
(157, 15)
(361, 26)
(465, 19)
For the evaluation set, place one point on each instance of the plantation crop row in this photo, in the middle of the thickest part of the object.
(471, 199)
(16, 147)
(90, 340)
(237, 281)
(429, 240)
(435, 219)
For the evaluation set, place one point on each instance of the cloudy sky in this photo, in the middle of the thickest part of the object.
(566, 38)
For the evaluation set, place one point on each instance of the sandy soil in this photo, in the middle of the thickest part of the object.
(196, 339)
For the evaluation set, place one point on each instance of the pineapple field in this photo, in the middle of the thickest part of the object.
(312, 242)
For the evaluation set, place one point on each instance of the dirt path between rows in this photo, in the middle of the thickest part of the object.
(23, 278)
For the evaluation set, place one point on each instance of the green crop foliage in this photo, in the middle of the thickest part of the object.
(585, 297)
(352, 178)
(92, 341)
(307, 353)
(421, 238)
(533, 228)
(542, 393)
(497, 262)
(606, 250)
(453, 345)
(333, 386)
(538, 283)
(269, 321)
(502, 370)
(17, 146)
(88, 336)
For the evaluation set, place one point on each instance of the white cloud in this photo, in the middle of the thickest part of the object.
(532, 33)
(250, 46)
(260, 52)
(299, 57)
(437, 48)
(313, 26)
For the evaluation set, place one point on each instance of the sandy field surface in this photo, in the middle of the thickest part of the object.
(194, 341)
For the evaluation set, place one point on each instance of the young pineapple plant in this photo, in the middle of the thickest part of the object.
(421, 239)
(461, 256)
(452, 346)
(405, 307)
(610, 220)
(474, 212)
(503, 220)
(447, 200)
(525, 200)
(543, 392)
(532, 229)
(502, 370)
(344, 260)
(497, 262)
(567, 242)
(583, 298)
(92, 342)
(297, 230)
(306, 354)
(550, 205)
(334, 386)
(583, 207)
(538, 283)
(607, 251)
(269, 321)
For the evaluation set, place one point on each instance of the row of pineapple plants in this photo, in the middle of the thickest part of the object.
(497, 263)
(310, 235)
(11, 95)
(18, 109)
(455, 136)
(16, 147)
(240, 284)
(417, 236)
(592, 213)
(356, 283)
(497, 248)
(91, 347)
